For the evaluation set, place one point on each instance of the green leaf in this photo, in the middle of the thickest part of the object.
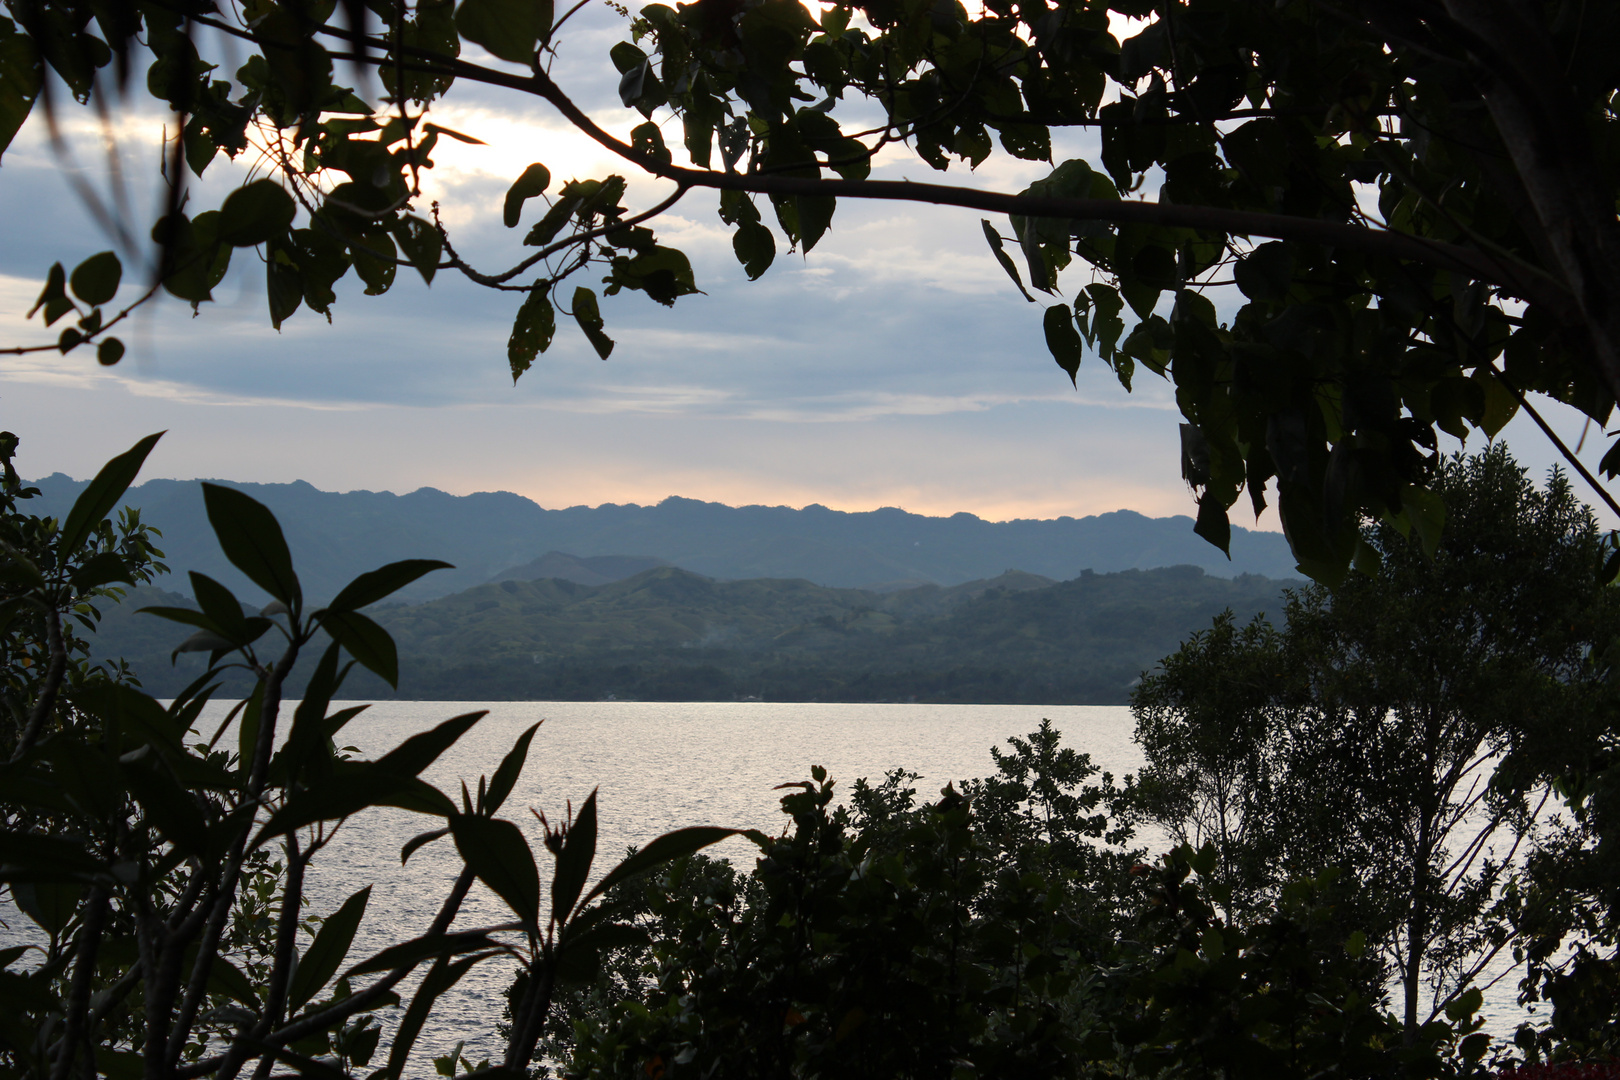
(574, 861)
(755, 247)
(589, 317)
(670, 846)
(534, 181)
(421, 244)
(1266, 273)
(418, 841)
(251, 538)
(21, 74)
(993, 238)
(532, 331)
(351, 788)
(53, 297)
(506, 777)
(408, 954)
(435, 129)
(221, 606)
(51, 904)
(95, 281)
(109, 351)
(97, 500)
(378, 584)
(508, 29)
(422, 749)
(440, 977)
(326, 953)
(255, 213)
(1213, 524)
(101, 569)
(498, 854)
(367, 642)
(1063, 340)
(555, 218)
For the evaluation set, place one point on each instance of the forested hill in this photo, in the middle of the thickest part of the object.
(668, 634)
(336, 536)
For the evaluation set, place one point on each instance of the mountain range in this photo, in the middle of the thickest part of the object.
(494, 536)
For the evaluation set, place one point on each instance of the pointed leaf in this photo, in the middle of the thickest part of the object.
(251, 538)
(99, 498)
(418, 841)
(501, 858)
(407, 954)
(367, 642)
(422, 749)
(574, 861)
(325, 954)
(501, 784)
(440, 977)
(670, 846)
(375, 585)
(21, 74)
(1063, 340)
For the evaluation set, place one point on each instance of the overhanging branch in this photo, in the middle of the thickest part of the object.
(1522, 281)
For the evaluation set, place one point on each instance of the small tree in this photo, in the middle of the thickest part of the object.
(166, 873)
(1405, 727)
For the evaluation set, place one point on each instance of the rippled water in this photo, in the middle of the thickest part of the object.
(657, 767)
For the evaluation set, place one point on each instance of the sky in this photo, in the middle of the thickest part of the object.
(895, 365)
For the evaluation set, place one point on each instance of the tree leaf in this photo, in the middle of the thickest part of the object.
(993, 238)
(99, 498)
(498, 854)
(101, 569)
(508, 29)
(534, 181)
(418, 841)
(367, 642)
(589, 317)
(251, 538)
(671, 845)
(21, 74)
(441, 976)
(574, 861)
(422, 749)
(1063, 340)
(532, 332)
(501, 784)
(256, 213)
(378, 584)
(326, 953)
(95, 281)
(408, 954)
(421, 243)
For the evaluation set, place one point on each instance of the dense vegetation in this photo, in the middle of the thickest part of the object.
(1006, 929)
(669, 635)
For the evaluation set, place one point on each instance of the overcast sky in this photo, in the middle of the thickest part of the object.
(894, 366)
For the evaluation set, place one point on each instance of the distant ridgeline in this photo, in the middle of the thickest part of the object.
(666, 634)
(491, 536)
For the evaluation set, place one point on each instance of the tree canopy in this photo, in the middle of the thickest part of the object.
(1338, 227)
(1418, 727)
